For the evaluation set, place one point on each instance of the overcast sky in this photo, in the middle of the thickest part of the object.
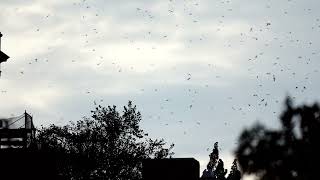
(199, 71)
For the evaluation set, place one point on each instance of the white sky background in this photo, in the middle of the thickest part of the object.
(199, 71)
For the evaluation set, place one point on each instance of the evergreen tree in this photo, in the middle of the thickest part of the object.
(234, 174)
(215, 168)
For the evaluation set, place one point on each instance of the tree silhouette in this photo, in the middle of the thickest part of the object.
(215, 168)
(291, 152)
(234, 173)
(109, 145)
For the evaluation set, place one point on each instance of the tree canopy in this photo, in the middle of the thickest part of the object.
(215, 168)
(108, 145)
(289, 153)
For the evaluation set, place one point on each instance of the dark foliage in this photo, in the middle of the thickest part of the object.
(215, 168)
(290, 153)
(107, 146)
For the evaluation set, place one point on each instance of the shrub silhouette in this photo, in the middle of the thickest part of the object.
(291, 152)
(109, 145)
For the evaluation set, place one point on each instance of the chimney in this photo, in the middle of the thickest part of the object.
(0, 40)
(3, 56)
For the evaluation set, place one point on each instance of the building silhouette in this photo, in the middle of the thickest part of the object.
(17, 132)
(19, 159)
(171, 169)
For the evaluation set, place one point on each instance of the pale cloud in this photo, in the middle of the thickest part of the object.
(41, 99)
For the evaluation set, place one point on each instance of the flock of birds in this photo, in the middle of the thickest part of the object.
(275, 71)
